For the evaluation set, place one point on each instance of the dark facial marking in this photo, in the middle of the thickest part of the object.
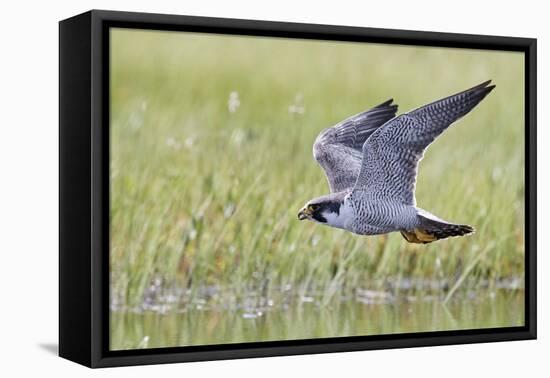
(318, 217)
(331, 207)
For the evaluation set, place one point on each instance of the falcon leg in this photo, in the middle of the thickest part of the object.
(418, 236)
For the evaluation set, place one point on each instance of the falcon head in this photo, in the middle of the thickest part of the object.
(329, 210)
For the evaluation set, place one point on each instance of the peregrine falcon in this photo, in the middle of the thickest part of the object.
(371, 162)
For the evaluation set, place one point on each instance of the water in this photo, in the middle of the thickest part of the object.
(203, 321)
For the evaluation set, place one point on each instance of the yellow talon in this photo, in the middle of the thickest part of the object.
(410, 237)
(423, 236)
(418, 236)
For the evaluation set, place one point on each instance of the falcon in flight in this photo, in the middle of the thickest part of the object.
(371, 162)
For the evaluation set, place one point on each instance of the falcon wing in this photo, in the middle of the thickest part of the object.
(338, 149)
(391, 154)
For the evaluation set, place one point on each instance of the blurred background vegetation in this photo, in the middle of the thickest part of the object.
(211, 158)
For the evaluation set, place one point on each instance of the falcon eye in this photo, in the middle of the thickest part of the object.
(313, 207)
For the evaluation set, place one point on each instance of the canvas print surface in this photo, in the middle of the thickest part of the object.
(266, 189)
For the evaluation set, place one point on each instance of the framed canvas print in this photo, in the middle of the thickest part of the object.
(234, 188)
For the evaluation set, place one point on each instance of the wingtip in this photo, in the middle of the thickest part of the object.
(483, 85)
(482, 89)
(387, 106)
(487, 86)
(386, 103)
(487, 89)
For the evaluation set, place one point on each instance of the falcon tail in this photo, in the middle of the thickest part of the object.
(431, 228)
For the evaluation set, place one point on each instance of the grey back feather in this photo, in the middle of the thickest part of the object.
(391, 154)
(338, 149)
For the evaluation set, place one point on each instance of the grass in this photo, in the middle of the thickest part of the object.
(202, 196)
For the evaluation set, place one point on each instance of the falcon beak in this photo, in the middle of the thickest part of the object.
(304, 214)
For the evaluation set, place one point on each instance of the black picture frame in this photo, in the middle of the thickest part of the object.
(84, 187)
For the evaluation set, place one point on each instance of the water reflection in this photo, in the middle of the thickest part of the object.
(221, 316)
